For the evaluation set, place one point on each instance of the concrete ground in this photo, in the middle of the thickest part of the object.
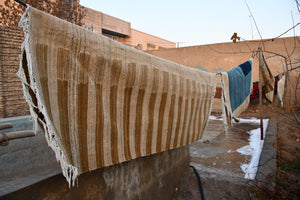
(25, 161)
(218, 163)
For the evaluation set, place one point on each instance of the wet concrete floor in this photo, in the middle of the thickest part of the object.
(216, 158)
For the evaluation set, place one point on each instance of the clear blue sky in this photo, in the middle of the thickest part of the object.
(194, 22)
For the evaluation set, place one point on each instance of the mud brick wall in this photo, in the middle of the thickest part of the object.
(12, 102)
(224, 56)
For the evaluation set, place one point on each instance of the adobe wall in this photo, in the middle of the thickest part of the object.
(224, 56)
(12, 102)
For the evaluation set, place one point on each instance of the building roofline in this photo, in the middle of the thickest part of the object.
(153, 35)
(108, 15)
(239, 42)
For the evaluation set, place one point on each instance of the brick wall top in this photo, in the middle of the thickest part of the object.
(12, 102)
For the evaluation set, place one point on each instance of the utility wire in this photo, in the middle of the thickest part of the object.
(298, 5)
(285, 32)
(255, 23)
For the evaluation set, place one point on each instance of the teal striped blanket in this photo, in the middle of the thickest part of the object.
(237, 86)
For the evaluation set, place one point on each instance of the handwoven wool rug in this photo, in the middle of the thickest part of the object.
(236, 85)
(281, 84)
(255, 88)
(268, 80)
(100, 102)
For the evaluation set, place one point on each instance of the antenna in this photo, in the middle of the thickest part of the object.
(251, 26)
(178, 44)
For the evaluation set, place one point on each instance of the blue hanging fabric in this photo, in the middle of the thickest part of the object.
(237, 85)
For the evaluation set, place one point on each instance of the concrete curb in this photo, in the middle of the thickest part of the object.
(266, 172)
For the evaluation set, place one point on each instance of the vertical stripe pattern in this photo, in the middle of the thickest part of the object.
(63, 64)
(107, 103)
(101, 63)
(82, 106)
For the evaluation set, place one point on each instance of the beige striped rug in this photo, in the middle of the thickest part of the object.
(100, 102)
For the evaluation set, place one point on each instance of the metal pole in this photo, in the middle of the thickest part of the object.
(261, 62)
(5, 137)
(5, 126)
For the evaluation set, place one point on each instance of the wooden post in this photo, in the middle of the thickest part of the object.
(261, 63)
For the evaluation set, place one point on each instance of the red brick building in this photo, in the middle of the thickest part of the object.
(121, 31)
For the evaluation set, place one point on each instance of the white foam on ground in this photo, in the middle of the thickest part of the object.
(251, 120)
(254, 148)
(212, 117)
